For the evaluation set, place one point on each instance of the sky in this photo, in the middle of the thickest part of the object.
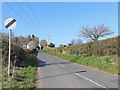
(60, 20)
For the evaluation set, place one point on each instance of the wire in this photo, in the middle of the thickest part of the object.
(25, 12)
(17, 13)
(21, 8)
(34, 14)
(35, 17)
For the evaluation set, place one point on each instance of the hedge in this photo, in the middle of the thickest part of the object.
(17, 53)
(99, 48)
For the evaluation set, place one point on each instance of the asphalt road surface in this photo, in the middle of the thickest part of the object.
(54, 72)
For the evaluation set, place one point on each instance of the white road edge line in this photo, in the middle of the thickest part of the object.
(90, 80)
(61, 65)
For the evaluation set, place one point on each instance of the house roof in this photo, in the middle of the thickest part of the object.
(24, 43)
(30, 43)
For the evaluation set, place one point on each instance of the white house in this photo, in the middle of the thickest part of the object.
(24, 45)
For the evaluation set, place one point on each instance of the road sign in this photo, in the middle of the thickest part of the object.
(10, 23)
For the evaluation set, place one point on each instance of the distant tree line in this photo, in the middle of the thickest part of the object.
(43, 44)
(22, 39)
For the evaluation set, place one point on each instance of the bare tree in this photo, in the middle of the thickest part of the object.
(73, 41)
(79, 41)
(95, 33)
(61, 45)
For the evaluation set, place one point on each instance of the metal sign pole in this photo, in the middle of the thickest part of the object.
(9, 52)
(10, 23)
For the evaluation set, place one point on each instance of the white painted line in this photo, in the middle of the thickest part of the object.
(61, 65)
(57, 63)
(51, 59)
(90, 80)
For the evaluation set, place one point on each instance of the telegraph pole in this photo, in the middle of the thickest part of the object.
(48, 38)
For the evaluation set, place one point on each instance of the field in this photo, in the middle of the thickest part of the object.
(24, 77)
(103, 63)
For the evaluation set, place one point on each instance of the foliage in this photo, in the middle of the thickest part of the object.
(105, 63)
(51, 45)
(25, 65)
(25, 75)
(98, 48)
(69, 44)
(56, 50)
(61, 49)
(23, 78)
(28, 38)
(43, 43)
(17, 53)
(22, 39)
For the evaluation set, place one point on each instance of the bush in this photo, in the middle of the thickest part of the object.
(17, 53)
(51, 45)
(98, 48)
(61, 49)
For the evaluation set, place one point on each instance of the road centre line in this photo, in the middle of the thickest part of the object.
(61, 65)
(91, 81)
(57, 63)
(51, 59)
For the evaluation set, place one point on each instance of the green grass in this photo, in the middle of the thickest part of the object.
(104, 63)
(24, 77)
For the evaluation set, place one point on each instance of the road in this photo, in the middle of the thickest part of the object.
(54, 72)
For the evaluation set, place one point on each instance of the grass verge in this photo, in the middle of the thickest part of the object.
(104, 63)
(25, 76)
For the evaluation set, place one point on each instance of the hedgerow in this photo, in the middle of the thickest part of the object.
(99, 48)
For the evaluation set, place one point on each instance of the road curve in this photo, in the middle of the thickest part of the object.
(54, 72)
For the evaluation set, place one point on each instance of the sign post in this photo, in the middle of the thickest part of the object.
(10, 24)
(9, 52)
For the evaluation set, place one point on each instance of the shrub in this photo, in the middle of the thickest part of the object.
(98, 48)
(17, 53)
(51, 45)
